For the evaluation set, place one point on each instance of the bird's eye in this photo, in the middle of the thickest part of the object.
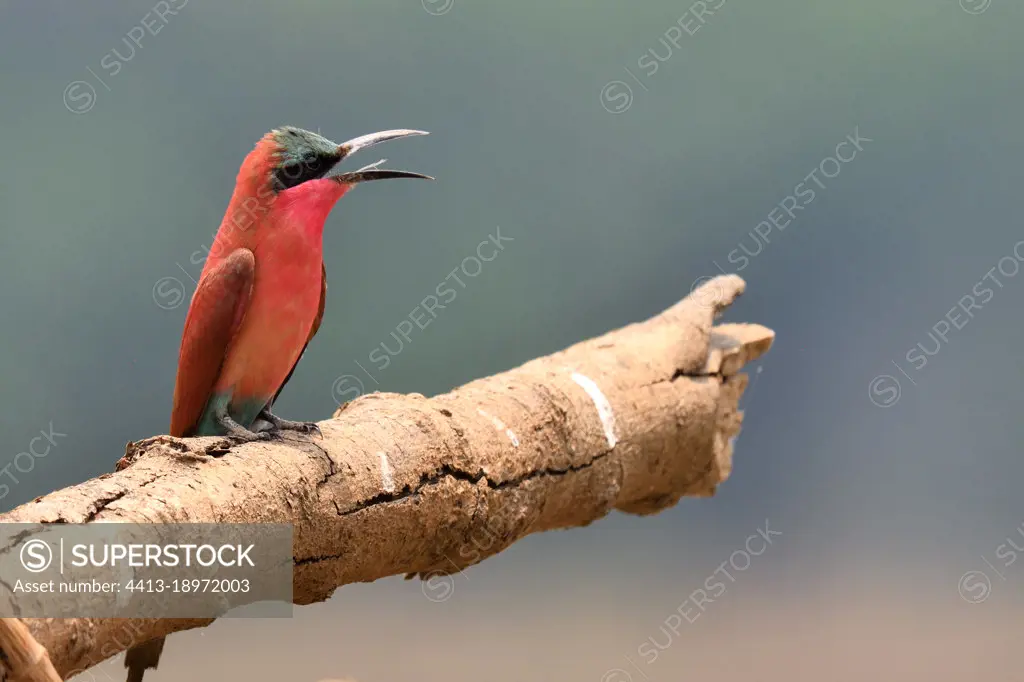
(298, 172)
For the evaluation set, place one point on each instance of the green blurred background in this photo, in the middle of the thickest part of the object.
(626, 159)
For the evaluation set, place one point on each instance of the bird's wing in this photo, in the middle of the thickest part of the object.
(312, 330)
(214, 317)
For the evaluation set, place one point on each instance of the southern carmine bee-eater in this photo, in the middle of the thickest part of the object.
(260, 298)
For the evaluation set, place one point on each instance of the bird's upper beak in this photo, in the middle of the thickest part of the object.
(371, 172)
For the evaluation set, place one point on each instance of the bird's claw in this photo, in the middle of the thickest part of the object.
(240, 438)
(277, 425)
(300, 427)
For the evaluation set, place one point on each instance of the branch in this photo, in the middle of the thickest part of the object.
(22, 656)
(632, 420)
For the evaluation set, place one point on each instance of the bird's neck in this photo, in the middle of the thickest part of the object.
(301, 210)
(307, 206)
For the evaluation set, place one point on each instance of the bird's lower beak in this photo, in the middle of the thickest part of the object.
(371, 172)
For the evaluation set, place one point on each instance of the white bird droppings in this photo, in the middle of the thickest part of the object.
(385, 473)
(604, 408)
(500, 425)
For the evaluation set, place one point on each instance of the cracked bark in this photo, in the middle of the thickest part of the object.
(402, 484)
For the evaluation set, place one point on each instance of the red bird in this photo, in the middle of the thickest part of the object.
(260, 298)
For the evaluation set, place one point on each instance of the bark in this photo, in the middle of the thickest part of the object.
(632, 420)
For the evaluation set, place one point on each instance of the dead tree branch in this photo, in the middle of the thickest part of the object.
(632, 420)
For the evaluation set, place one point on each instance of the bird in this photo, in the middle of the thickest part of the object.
(260, 298)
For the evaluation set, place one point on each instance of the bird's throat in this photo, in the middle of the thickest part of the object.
(308, 205)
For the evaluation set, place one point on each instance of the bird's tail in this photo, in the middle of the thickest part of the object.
(141, 658)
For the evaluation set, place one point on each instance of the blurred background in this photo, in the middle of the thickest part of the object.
(625, 150)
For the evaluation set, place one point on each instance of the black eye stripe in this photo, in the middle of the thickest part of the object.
(295, 173)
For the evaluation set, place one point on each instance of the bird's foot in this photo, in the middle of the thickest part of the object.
(234, 434)
(233, 437)
(238, 434)
(277, 424)
(247, 436)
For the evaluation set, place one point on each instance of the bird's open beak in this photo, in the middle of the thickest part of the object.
(371, 172)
